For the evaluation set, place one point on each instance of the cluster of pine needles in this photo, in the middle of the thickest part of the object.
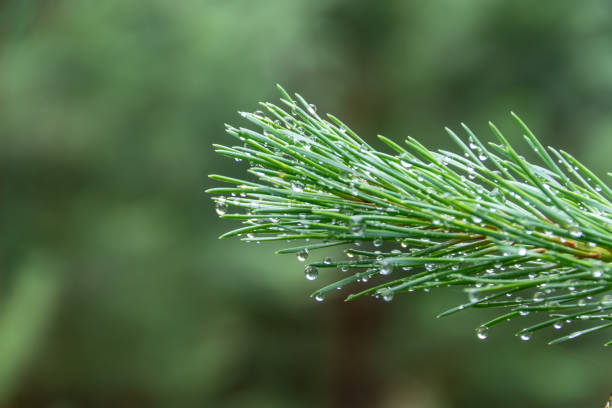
(528, 239)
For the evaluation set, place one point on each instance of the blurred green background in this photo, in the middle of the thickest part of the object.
(115, 291)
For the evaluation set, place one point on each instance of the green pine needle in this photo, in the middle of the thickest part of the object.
(528, 238)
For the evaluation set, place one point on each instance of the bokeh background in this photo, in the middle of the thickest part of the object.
(114, 290)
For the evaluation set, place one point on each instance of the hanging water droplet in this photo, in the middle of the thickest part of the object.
(526, 336)
(387, 295)
(597, 273)
(473, 296)
(327, 260)
(357, 225)
(482, 333)
(302, 255)
(476, 219)
(482, 157)
(523, 312)
(386, 268)
(312, 108)
(606, 300)
(221, 207)
(377, 242)
(319, 297)
(582, 302)
(344, 268)
(558, 325)
(522, 251)
(539, 296)
(311, 272)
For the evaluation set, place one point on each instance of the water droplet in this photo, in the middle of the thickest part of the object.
(377, 242)
(302, 255)
(386, 268)
(522, 251)
(344, 268)
(539, 296)
(582, 302)
(387, 295)
(482, 157)
(576, 233)
(297, 187)
(482, 333)
(221, 207)
(526, 336)
(319, 297)
(524, 312)
(597, 273)
(558, 325)
(606, 300)
(405, 164)
(312, 108)
(311, 272)
(356, 225)
(327, 260)
(476, 219)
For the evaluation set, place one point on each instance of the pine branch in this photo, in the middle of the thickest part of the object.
(525, 238)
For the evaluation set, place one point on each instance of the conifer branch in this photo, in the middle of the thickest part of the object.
(526, 238)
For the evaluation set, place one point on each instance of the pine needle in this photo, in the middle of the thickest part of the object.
(533, 239)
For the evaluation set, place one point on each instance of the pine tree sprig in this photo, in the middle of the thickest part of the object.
(534, 239)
